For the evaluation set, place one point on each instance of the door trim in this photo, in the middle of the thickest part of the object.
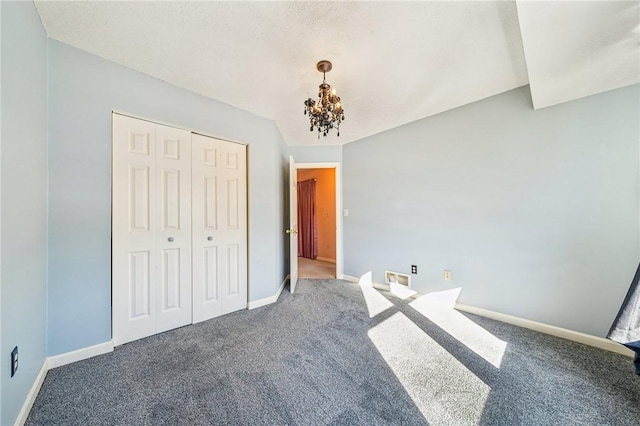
(338, 192)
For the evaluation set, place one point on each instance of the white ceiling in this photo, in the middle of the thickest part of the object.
(393, 62)
(579, 49)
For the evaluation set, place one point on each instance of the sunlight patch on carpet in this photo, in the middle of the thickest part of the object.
(443, 389)
(401, 291)
(376, 302)
(443, 298)
(467, 332)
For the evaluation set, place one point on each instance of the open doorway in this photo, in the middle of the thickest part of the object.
(317, 222)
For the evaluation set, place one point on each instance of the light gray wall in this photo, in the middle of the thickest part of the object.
(24, 202)
(83, 90)
(317, 154)
(534, 212)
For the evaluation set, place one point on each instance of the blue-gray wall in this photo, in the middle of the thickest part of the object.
(317, 154)
(24, 201)
(534, 212)
(83, 90)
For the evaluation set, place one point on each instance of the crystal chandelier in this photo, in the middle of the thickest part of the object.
(326, 113)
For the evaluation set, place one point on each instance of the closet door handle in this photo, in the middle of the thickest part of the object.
(210, 238)
(170, 239)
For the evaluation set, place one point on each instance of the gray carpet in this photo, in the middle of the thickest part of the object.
(316, 357)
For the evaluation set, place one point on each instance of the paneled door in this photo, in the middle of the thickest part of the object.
(293, 224)
(173, 237)
(219, 232)
(151, 234)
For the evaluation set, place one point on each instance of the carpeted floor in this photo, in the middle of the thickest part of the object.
(316, 357)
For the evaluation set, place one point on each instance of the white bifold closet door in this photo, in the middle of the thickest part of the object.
(179, 235)
(151, 236)
(219, 194)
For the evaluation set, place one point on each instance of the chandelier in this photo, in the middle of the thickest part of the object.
(326, 113)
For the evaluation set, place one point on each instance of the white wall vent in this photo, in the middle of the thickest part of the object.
(391, 277)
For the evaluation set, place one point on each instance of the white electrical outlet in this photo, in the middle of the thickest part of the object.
(345, 212)
(447, 275)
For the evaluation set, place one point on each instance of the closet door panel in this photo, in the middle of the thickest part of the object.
(173, 237)
(210, 274)
(134, 252)
(232, 268)
(233, 214)
(206, 233)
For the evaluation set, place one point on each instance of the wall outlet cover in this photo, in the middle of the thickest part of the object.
(14, 361)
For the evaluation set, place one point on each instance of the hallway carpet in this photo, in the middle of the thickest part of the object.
(309, 268)
(317, 358)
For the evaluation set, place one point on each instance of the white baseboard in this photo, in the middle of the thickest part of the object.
(349, 278)
(80, 354)
(269, 300)
(576, 336)
(325, 259)
(31, 396)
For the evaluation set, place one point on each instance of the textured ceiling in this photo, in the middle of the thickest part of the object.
(393, 62)
(576, 49)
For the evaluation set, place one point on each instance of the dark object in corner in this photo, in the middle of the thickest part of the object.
(626, 327)
(14, 361)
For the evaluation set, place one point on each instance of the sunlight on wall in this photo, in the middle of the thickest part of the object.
(443, 389)
(463, 329)
(376, 302)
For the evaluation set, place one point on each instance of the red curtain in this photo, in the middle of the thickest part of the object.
(307, 232)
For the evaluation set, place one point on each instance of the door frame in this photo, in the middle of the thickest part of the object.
(338, 192)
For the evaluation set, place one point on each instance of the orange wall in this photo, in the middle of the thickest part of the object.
(325, 208)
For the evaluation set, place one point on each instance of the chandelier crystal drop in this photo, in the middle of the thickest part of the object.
(326, 113)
